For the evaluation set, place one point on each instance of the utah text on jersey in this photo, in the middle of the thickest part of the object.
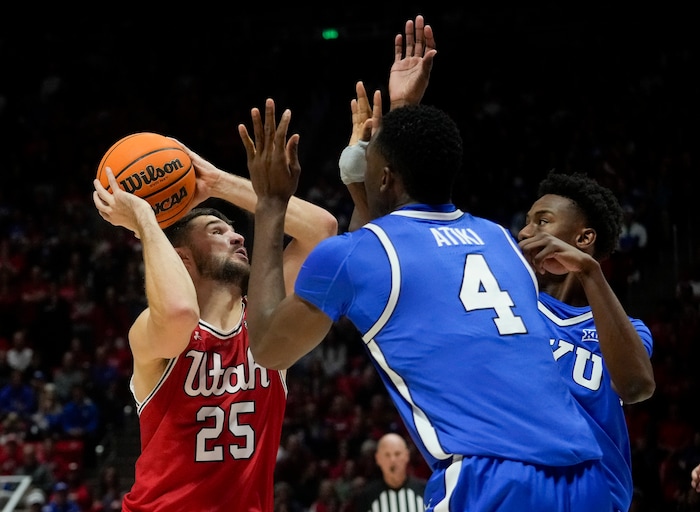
(207, 378)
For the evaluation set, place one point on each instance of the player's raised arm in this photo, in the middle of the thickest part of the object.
(409, 75)
(413, 61)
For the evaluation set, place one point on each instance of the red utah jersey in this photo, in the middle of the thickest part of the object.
(210, 430)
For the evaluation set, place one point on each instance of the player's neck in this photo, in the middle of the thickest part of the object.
(222, 307)
(566, 289)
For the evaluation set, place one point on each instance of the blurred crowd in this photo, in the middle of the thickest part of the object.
(71, 284)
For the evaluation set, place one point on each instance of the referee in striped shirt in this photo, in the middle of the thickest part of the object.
(396, 491)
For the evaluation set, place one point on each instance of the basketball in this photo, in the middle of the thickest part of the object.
(156, 169)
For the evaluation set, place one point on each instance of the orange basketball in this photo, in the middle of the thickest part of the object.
(154, 168)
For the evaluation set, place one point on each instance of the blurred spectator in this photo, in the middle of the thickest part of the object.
(340, 417)
(10, 454)
(35, 500)
(14, 424)
(292, 459)
(80, 420)
(674, 479)
(358, 485)
(5, 369)
(345, 481)
(327, 499)
(381, 416)
(333, 353)
(83, 313)
(37, 381)
(68, 284)
(111, 315)
(60, 500)
(20, 353)
(368, 385)
(66, 376)
(52, 457)
(41, 472)
(38, 369)
(285, 500)
(109, 490)
(107, 386)
(17, 396)
(633, 243)
(79, 491)
(81, 356)
(46, 421)
(11, 261)
(119, 354)
(33, 291)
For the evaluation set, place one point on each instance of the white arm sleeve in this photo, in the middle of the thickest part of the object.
(352, 163)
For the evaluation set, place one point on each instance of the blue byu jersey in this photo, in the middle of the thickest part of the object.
(447, 308)
(574, 340)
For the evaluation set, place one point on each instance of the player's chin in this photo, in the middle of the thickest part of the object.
(235, 269)
(240, 256)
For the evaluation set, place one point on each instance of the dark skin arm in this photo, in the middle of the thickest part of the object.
(364, 117)
(410, 72)
(409, 75)
(623, 352)
(281, 330)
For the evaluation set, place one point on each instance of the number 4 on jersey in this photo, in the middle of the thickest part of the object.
(480, 290)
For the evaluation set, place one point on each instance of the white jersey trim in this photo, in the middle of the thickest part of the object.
(417, 214)
(563, 322)
(424, 428)
(141, 405)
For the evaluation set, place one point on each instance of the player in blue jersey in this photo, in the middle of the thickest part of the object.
(447, 308)
(603, 354)
(577, 210)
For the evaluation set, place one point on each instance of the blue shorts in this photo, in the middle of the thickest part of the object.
(487, 484)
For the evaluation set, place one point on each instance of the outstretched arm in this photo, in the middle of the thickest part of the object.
(413, 61)
(161, 331)
(365, 118)
(281, 330)
(408, 80)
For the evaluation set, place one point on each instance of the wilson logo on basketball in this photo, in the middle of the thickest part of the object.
(150, 174)
(170, 202)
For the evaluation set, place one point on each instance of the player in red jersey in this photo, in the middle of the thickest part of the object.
(210, 417)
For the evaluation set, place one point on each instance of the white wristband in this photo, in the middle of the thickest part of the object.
(352, 163)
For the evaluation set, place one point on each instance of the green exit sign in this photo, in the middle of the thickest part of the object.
(329, 33)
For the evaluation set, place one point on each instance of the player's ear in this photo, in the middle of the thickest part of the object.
(586, 239)
(388, 177)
